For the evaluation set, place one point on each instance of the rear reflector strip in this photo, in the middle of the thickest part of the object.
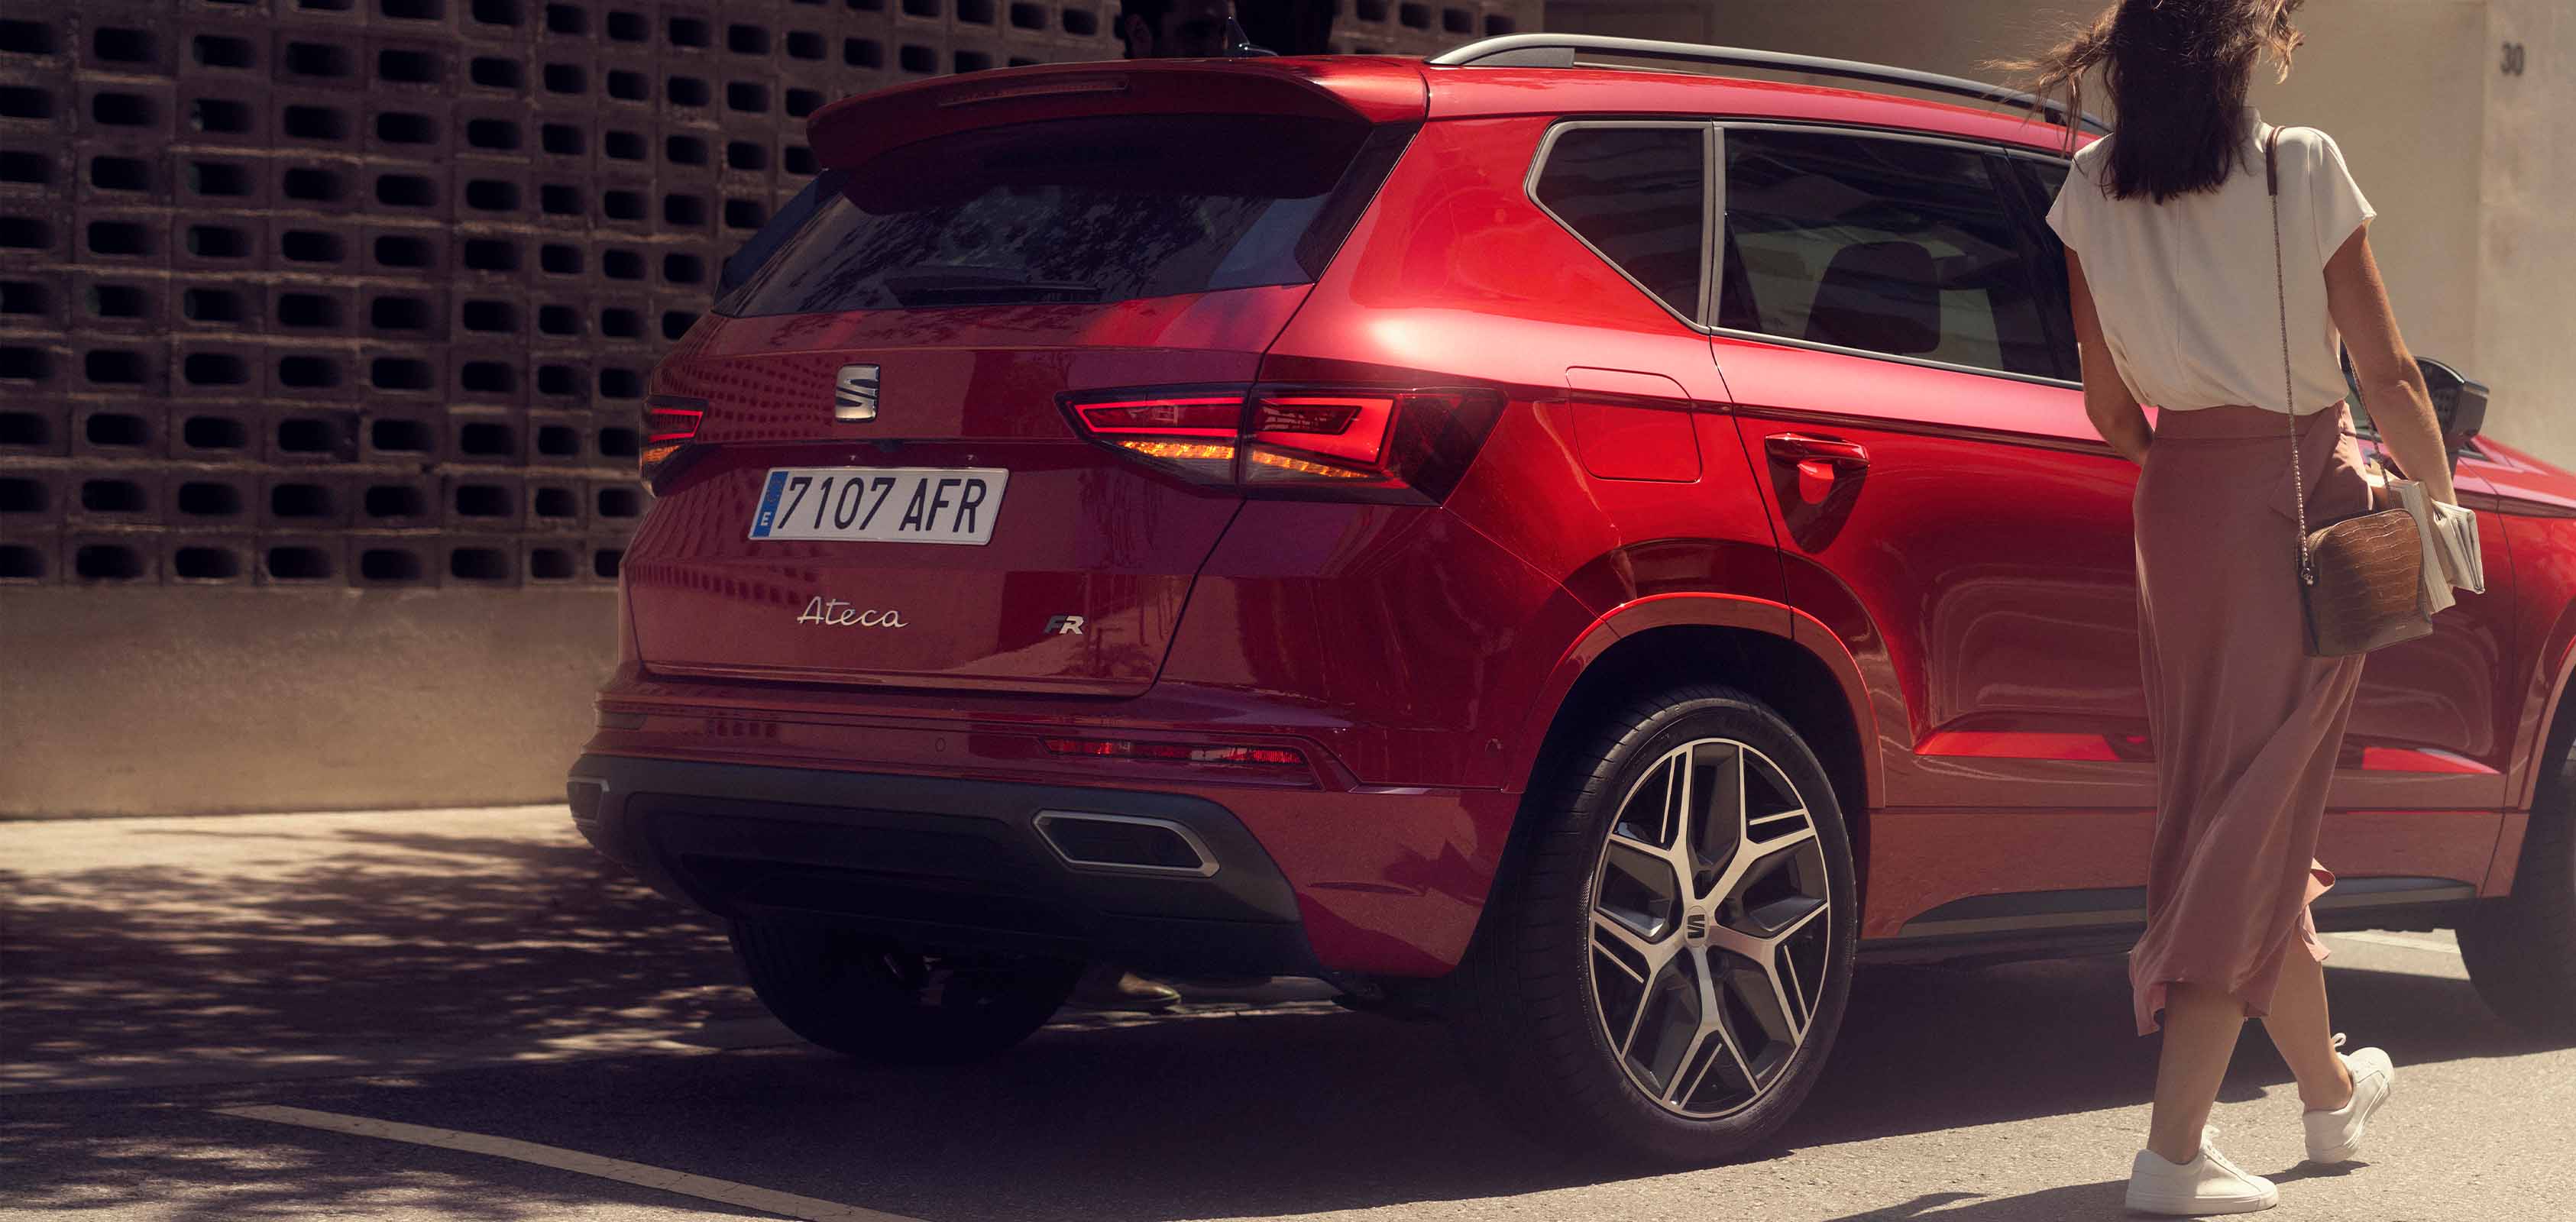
(1284, 757)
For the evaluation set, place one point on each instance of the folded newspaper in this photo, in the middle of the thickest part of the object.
(2450, 536)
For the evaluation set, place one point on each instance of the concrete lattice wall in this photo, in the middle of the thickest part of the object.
(365, 292)
(323, 329)
(1409, 27)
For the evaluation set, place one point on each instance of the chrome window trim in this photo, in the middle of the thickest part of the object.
(1888, 133)
(1761, 337)
(2064, 163)
(1878, 133)
(1709, 175)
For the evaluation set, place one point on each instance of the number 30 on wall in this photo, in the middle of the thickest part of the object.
(2512, 59)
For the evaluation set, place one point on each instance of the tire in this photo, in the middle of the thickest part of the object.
(1581, 948)
(2521, 950)
(866, 998)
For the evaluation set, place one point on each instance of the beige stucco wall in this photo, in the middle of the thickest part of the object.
(2527, 233)
(2469, 168)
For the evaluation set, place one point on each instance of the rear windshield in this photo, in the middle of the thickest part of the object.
(1078, 210)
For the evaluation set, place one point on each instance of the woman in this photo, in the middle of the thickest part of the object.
(2171, 263)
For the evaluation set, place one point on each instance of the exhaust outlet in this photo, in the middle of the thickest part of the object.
(1127, 844)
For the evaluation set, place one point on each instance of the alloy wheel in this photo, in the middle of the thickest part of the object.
(1710, 928)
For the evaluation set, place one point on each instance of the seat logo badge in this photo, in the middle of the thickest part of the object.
(833, 613)
(854, 393)
(1695, 928)
(1062, 624)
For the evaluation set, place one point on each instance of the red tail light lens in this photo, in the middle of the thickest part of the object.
(1355, 443)
(1191, 434)
(670, 424)
(1190, 416)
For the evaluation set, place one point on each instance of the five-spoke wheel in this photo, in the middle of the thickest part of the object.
(1664, 970)
(1711, 915)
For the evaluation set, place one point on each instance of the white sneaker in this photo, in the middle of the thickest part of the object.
(2335, 1136)
(2208, 1184)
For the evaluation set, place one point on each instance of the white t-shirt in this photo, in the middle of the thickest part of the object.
(2185, 289)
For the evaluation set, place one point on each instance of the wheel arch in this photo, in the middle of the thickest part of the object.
(2559, 720)
(1771, 651)
(2553, 749)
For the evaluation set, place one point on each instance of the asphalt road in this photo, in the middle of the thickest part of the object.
(463, 1015)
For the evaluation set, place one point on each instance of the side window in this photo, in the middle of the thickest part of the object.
(2043, 179)
(1638, 195)
(1884, 245)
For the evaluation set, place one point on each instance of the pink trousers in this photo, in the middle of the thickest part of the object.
(2246, 725)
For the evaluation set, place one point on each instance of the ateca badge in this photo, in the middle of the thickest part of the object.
(833, 613)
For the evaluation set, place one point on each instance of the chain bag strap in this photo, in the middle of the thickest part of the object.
(2360, 579)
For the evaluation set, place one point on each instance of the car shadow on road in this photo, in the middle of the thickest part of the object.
(2102, 1200)
(1926, 1049)
(397, 939)
(1308, 1110)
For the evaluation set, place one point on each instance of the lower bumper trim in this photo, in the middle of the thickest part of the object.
(942, 862)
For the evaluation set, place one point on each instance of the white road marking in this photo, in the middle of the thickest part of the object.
(2389, 939)
(723, 1192)
(233, 1066)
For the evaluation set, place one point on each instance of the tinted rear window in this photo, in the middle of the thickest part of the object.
(1638, 195)
(1081, 210)
(1882, 245)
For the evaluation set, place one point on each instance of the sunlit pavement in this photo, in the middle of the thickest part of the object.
(464, 1015)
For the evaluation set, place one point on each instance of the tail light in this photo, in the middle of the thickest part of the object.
(1339, 443)
(670, 425)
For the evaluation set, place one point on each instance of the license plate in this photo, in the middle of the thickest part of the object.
(881, 504)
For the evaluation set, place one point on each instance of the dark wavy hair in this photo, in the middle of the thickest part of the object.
(2177, 71)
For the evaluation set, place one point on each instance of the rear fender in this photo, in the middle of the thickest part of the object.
(1710, 610)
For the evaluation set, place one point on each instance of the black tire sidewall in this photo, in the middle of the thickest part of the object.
(2520, 951)
(1587, 796)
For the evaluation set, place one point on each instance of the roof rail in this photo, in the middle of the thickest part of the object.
(1560, 50)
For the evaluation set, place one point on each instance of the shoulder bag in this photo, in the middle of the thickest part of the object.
(2361, 580)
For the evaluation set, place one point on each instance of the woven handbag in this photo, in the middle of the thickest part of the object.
(2361, 580)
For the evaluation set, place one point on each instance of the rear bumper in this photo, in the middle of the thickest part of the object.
(940, 861)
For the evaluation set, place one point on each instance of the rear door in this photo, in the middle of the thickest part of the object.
(1887, 330)
(2433, 726)
(2421, 773)
(883, 485)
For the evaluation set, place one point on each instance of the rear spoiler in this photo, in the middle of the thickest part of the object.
(849, 132)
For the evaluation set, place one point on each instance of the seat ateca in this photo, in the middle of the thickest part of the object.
(1585, 552)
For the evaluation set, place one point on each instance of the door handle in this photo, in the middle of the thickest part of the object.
(1835, 455)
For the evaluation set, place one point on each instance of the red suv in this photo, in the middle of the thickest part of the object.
(1587, 552)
